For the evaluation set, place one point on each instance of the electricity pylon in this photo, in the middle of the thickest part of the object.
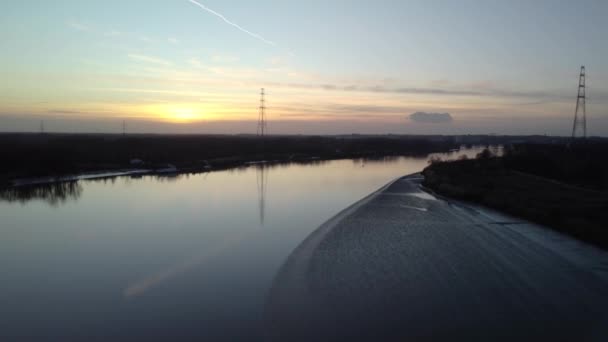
(579, 127)
(262, 125)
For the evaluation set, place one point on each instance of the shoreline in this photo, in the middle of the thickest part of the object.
(576, 211)
(60, 155)
(374, 269)
(167, 171)
(170, 170)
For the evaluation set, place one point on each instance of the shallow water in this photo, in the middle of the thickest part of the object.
(167, 257)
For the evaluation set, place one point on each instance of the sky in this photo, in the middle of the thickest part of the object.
(328, 67)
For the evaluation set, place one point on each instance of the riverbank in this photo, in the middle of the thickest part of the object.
(24, 155)
(170, 170)
(167, 170)
(69, 155)
(402, 264)
(494, 182)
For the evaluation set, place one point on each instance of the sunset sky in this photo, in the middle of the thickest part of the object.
(180, 66)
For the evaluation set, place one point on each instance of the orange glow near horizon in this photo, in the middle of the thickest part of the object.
(186, 113)
(177, 113)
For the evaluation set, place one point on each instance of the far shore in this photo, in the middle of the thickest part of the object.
(29, 158)
(167, 170)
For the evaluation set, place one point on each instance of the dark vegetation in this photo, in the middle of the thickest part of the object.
(563, 186)
(37, 155)
(582, 164)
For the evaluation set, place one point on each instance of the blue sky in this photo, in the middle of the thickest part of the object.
(329, 66)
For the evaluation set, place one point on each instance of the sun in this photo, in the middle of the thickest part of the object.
(177, 113)
(185, 114)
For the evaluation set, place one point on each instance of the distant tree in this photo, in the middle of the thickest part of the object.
(463, 157)
(435, 160)
(485, 154)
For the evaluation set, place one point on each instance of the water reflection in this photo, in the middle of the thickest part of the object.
(171, 178)
(57, 194)
(53, 193)
(370, 160)
(262, 183)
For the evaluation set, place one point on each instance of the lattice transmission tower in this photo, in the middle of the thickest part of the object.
(262, 124)
(579, 127)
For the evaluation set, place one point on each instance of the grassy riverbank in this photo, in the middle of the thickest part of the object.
(560, 186)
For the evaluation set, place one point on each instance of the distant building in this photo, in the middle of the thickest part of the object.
(169, 169)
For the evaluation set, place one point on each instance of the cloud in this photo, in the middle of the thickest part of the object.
(146, 39)
(423, 117)
(65, 111)
(341, 112)
(224, 59)
(113, 33)
(148, 59)
(277, 60)
(366, 109)
(254, 35)
(173, 40)
(503, 93)
(195, 62)
(336, 117)
(78, 26)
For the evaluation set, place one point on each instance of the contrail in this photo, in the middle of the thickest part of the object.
(254, 35)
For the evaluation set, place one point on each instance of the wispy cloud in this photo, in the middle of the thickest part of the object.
(173, 40)
(65, 111)
(336, 116)
(240, 28)
(145, 39)
(78, 26)
(149, 59)
(491, 92)
(195, 62)
(277, 60)
(224, 59)
(113, 33)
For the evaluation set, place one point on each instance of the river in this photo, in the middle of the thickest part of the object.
(148, 257)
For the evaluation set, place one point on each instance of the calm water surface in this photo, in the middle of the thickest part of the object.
(188, 257)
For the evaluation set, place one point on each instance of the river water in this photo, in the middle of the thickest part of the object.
(184, 257)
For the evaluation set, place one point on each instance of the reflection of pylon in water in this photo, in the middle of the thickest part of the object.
(262, 181)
